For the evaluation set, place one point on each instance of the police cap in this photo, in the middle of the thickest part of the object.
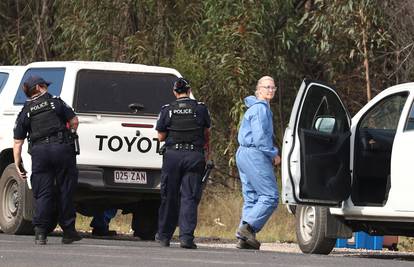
(181, 85)
(31, 82)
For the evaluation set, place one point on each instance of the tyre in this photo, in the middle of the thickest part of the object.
(12, 195)
(310, 230)
(145, 219)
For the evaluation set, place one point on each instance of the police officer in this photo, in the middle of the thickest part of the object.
(184, 125)
(43, 120)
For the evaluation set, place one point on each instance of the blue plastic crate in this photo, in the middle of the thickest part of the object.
(361, 240)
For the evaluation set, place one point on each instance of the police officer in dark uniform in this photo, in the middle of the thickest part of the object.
(50, 126)
(184, 125)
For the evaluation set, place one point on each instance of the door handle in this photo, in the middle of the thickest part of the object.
(372, 143)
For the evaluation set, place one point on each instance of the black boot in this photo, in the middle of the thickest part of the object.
(163, 242)
(188, 244)
(40, 236)
(70, 237)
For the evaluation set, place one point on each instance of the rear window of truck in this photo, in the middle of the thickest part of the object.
(3, 80)
(118, 92)
(53, 75)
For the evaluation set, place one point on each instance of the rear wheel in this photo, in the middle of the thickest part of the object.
(12, 192)
(310, 230)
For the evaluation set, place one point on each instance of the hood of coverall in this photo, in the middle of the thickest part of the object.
(251, 100)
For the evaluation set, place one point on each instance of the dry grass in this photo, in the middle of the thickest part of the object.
(121, 223)
(406, 243)
(219, 216)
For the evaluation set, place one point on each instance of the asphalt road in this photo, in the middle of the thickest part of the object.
(20, 251)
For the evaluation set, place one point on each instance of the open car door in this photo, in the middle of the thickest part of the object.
(316, 148)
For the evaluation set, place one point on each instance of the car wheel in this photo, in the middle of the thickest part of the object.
(145, 219)
(310, 230)
(12, 191)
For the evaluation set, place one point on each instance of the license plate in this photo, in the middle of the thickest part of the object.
(130, 177)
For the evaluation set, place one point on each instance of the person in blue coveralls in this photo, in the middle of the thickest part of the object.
(185, 126)
(43, 121)
(255, 158)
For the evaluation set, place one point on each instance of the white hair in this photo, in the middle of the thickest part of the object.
(260, 81)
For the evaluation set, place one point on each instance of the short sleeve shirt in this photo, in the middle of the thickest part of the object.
(164, 120)
(22, 125)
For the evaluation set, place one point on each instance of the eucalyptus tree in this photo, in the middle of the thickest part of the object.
(398, 60)
(348, 36)
(238, 41)
(26, 30)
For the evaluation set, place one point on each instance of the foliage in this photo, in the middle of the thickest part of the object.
(224, 47)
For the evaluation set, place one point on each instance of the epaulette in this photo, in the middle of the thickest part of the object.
(55, 96)
(165, 106)
(201, 103)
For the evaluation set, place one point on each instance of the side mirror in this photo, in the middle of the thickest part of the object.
(325, 124)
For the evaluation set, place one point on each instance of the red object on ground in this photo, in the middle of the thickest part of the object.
(390, 242)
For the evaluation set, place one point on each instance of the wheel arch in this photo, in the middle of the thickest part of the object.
(6, 157)
(15, 193)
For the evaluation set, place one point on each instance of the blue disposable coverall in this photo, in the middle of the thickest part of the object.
(254, 160)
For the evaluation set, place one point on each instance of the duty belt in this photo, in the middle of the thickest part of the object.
(187, 147)
(58, 138)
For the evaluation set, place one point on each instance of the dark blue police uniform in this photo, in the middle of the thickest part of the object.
(184, 121)
(54, 172)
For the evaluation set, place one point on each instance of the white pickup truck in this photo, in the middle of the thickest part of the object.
(340, 175)
(119, 165)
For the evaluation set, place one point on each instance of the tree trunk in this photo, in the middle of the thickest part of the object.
(280, 110)
(42, 29)
(366, 56)
(19, 46)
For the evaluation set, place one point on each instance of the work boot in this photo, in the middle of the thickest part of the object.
(100, 232)
(162, 242)
(241, 244)
(246, 233)
(188, 244)
(70, 237)
(40, 236)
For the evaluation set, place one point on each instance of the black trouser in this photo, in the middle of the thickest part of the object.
(181, 190)
(54, 179)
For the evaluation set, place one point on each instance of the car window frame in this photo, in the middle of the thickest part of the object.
(361, 120)
(55, 88)
(338, 128)
(407, 120)
(4, 81)
(77, 93)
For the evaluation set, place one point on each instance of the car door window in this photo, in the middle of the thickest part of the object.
(323, 112)
(53, 75)
(386, 114)
(3, 79)
(374, 140)
(323, 132)
(409, 126)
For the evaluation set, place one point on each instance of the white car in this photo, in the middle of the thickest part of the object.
(341, 175)
(119, 165)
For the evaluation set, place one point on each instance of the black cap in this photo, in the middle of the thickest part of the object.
(181, 85)
(34, 80)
